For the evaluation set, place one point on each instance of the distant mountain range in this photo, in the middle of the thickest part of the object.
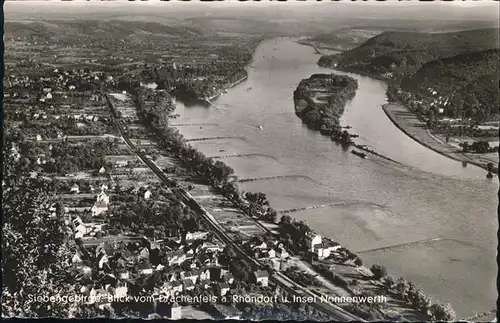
(115, 28)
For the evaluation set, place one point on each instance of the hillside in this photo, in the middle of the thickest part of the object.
(342, 39)
(402, 53)
(472, 73)
(60, 29)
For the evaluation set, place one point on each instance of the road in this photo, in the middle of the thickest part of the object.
(335, 312)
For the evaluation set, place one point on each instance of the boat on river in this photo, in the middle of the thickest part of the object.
(357, 153)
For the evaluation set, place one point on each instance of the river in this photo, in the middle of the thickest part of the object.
(381, 204)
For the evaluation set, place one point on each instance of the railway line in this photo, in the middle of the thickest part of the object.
(334, 311)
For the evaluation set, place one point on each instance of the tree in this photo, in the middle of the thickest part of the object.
(378, 271)
(34, 260)
(442, 312)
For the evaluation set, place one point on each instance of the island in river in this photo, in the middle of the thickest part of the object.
(320, 101)
(448, 82)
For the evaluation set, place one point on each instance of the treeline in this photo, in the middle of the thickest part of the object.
(473, 74)
(35, 251)
(324, 116)
(66, 126)
(66, 158)
(453, 64)
(199, 81)
(150, 218)
(405, 52)
(156, 118)
(408, 293)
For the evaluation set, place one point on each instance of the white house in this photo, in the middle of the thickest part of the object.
(38, 138)
(76, 259)
(281, 253)
(312, 239)
(99, 208)
(147, 195)
(262, 277)
(102, 170)
(177, 286)
(103, 260)
(196, 235)
(103, 198)
(325, 249)
(223, 288)
(49, 96)
(75, 189)
(174, 312)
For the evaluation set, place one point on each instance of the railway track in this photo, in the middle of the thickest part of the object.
(335, 312)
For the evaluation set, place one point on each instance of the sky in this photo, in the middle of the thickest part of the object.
(392, 9)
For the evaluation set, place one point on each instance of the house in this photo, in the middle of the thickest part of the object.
(188, 284)
(75, 189)
(281, 253)
(145, 268)
(192, 275)
(174, 311)
(171, 277)
(175, 257)
(102, 170)
(147, 195)
(326, 248)
(177, 286)
(223, 289)
(261, 246)
(103, 260)
(98, 209)
(312, 239)
(38, 138)
(204, 274)
(103, 198)
(262, 277)
(199, 235)
(143, 254)
(209, 246)
(76, 259)
(82, 229)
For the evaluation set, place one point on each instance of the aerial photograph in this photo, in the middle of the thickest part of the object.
(251, 160)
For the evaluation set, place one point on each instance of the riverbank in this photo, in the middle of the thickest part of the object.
(416, 129)
(215, 96)
(385, 205)
(341, 267)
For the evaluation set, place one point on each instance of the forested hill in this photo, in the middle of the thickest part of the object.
(474, 73)
(451, 64)
(401, 53)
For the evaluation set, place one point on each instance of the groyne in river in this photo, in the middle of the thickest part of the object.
(427, 196)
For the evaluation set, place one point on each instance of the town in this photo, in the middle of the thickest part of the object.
(122, 212)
